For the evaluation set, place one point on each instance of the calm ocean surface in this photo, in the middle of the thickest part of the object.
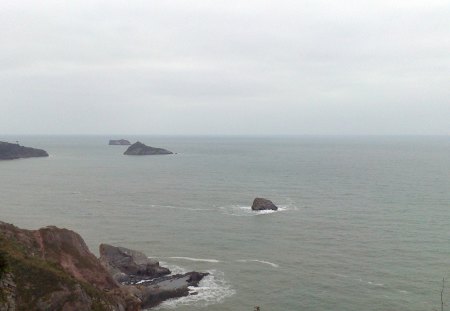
(364, 223)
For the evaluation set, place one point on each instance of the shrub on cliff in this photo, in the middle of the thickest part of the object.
(3, 263)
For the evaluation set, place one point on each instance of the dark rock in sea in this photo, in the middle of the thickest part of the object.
(119, 142)
(260, 204)
(126, 265)
(10, 151)
(139, 148)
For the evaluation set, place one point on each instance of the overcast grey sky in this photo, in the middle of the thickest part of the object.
(253, 67)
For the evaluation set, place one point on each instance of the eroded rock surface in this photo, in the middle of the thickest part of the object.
(129, 266)
(133, 268)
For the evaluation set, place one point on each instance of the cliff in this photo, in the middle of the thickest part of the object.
(52, 269)
(10, 151)
(139, 148)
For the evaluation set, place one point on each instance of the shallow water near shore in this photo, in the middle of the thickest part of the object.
(363, 221)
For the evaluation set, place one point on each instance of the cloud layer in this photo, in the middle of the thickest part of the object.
(225, 67)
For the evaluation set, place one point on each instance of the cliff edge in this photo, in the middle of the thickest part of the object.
(52, 269)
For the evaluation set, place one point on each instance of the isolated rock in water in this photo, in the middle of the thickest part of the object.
(260, 204)
(126, 265)
(10, 151)
(119, 142)
(139, 148)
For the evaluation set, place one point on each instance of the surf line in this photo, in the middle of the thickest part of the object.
(260, 261)
(196, 259)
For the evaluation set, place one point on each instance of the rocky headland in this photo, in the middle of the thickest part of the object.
(53, 269)
(119, 142)
(261, 204)
(139, 148)
(9, 151)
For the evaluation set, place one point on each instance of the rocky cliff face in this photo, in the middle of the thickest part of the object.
(10, 151)
(139, 148)
(52, 269)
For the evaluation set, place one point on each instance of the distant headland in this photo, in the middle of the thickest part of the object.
(10, 151)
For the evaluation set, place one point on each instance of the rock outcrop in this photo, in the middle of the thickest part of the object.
(261, 204)
(128, 266)
(139, 148)
(135, 270)
(9, 151)
(119, 142)
(52, 269)
(155, 291)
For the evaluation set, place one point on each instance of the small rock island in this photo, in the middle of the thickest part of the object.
(139, 148)
(119, 142)
(261, 204)
(9, 151)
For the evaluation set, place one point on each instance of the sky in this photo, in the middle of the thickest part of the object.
(214, 67)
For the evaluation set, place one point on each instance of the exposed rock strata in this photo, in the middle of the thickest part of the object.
(9, 151)
(130, 267)
(119, 142)
(261, 204)
(139, 148)
(52, 269)
(126, 265)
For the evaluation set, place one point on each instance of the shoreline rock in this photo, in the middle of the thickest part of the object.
(119, 142)
(139, 148)
(261, 204)
(9, 151)
(128, 266)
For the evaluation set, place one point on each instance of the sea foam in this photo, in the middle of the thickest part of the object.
(212, 289)
(260, 261)
(196, 259)
(246, 211)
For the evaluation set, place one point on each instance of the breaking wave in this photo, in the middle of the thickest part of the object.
(237, 210)
(260, 261)
(196, 259)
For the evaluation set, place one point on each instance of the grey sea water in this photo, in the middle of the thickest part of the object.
(364, 223)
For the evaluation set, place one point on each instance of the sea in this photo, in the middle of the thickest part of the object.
(363, 223)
